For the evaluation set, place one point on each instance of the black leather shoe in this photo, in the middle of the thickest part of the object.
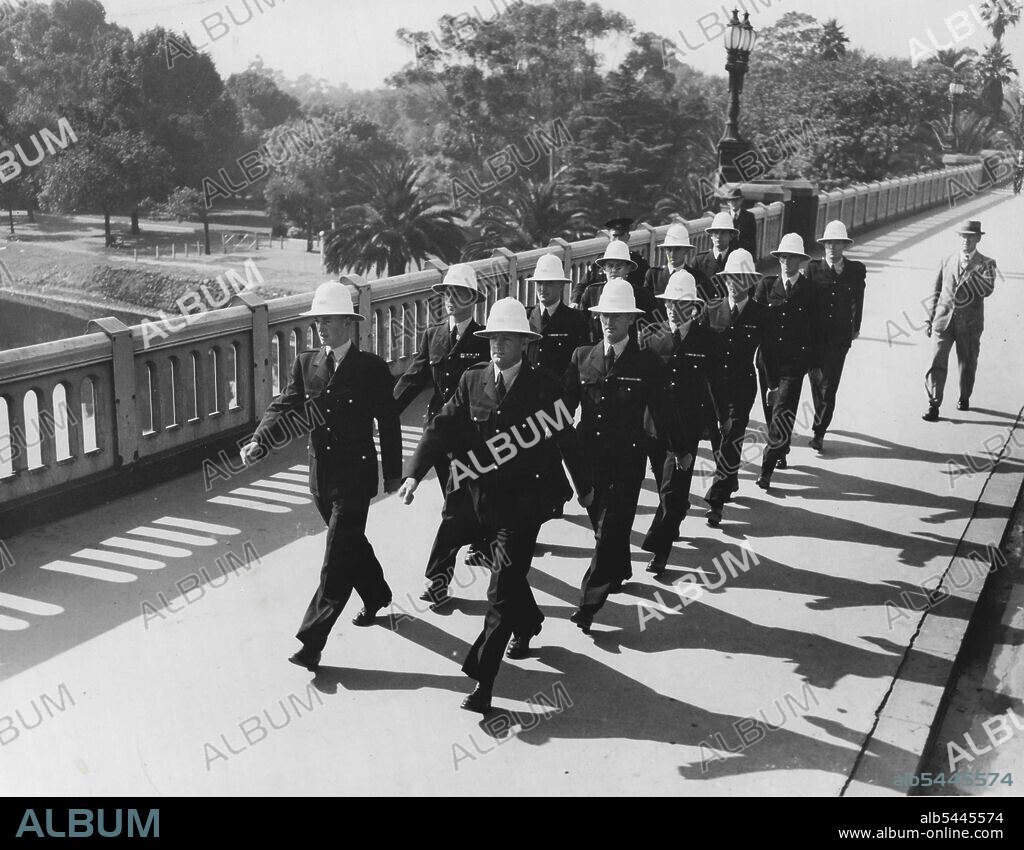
(367, 616)
(817, 443)
(435, 597)
(582, 620)
(657, 564)
(963, 404)
(475, 558)
(932, 415)
(518, 647)
(478, 701)
(764, 482)
(304, 658)
(714, 517)
(442, 597)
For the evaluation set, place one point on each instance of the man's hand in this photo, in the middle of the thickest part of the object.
(392, 484)
(407, 489)
(252, 452)
(587, 499)
(575, 305)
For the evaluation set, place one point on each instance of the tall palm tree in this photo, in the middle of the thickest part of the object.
(534, 212)
(959, 61)
(391, 220)
(996, 69)
(999, 16)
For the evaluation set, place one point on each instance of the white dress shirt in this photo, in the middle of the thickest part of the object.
(462, 325)
(510, 374)
(619, 347)
(339, 353)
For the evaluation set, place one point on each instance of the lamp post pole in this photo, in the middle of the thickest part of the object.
(956, 88)
(739, 41)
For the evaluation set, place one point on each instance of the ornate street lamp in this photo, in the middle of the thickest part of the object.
(956, 89)
(739, 41)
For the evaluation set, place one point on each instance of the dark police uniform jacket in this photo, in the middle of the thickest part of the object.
(565, 331)
(795, 328)
(746, 224)
(842, 300)
(526, 487)
(708, 267)
(692, 364)
(595, 276)
(342, 455)
(436, 360)
(612, 423)
(740, 341)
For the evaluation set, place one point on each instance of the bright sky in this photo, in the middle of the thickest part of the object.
(354, 42)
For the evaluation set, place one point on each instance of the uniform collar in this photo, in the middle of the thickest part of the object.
(462, 325)
(339, 353)
(619, 347)
(509, 374)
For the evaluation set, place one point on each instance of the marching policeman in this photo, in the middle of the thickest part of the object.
(710, 263)
(509, 431)
(349, 389)
(618, 231)
(680, 253)
(562, 330)
(743, 325)
(614, 381)
(795, 341)
(841, 283)
(617, 264)
(446, 350)
(690, 351)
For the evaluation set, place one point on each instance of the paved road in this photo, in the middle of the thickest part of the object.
(152, 691)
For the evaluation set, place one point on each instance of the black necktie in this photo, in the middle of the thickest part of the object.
(735, 312)
(610, 359)
(454, 337)
(330, 362)
(501, 391)
(544, 318)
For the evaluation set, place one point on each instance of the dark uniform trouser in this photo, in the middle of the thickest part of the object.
(349, 564)
(968, 345)
(513, 610)
(825, 385)
(783, 418)
(458, 527)
(673, 503)
(735, 410)
(616, 492)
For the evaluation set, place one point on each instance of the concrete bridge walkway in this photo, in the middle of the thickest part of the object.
(143, 644)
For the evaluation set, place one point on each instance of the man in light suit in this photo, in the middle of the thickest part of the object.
(349, 389)
(957, 317)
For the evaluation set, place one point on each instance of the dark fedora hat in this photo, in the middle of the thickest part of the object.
(730, 193)
(971, 227)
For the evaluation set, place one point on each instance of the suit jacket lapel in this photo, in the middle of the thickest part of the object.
(321, 369)
(595, 359)
(535, 318)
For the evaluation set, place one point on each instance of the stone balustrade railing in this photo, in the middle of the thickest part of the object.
(80, 410)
